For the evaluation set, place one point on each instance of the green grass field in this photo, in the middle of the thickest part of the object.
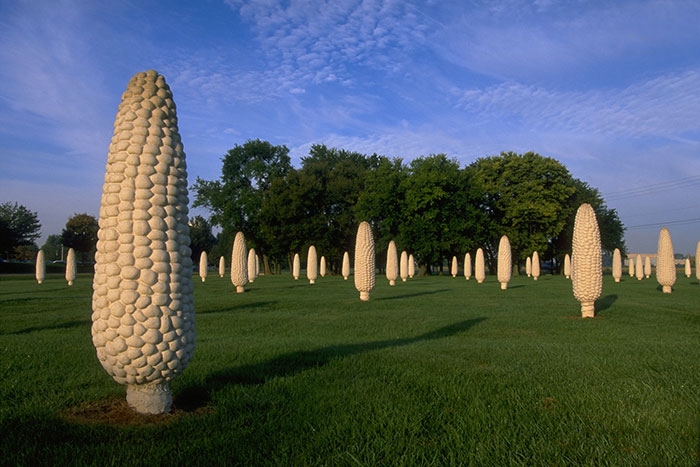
(434, 371)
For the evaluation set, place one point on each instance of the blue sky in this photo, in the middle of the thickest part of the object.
(610, 89)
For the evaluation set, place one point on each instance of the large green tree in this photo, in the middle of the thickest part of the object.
(527, 197)
(235, 199)
(53, 247)
(18, 227)
(80, 234)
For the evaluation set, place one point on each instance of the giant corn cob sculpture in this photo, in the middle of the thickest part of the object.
(322, 266)
(665, 262)
(222, 267)
(617, 265)
(312, 265)
(296, 266)
(479, 266)
(411, 266)
(143, 307)
(505, 264)
(403, 266)
(71, 266)
(467, 266)
(638, 267)
(586, 260)
(455, 267)
(647, 267)
(688, 268)
(203, 266)
(345, 270)
(364, 261)
(239, 263)
(535, 265)
(252, 265)
(40, 267)
(392, 263)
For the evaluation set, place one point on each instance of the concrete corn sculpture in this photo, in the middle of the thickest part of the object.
(411, 266)
(455, 267)
(222, 266)
(364, 261)
(467, 266)
(528, 267)
(535, 265)
(617, 265)
(345, 269)
(665, 262)
(479, 266)
(312, 265)
(638, 268)
(322, 267)
(567, 266)
(71, 266)
(647, 267)
(403, 266)
(252, 265)
(296, 267)
(392, 263)
(40, 271)
(586, 260)
(631, 266)
(143, 309)
(239, 263)
(688, 268)
(203, 266)
(505, 262)
(697, 259)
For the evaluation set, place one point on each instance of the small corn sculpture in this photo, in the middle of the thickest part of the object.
(322, 267)
(647, 267)
(467, 266)
(697, 261)
(203, 266)
(364, 261)
(392, 263)
(567, 266)
(586, 260)
(479, 266)
(411, 266)
(665, 262)
(143, 307)
(222, 267)
(535, 265)
(345, 270)
(239, 263)
(455, 267)
(638, 268)
(403, 266)
(505, 263)
(40, 267)
(688, 268)
(71, 266)
(312, 265)
(617, 265)
(296, 266)
(252, 265)
(528, 267)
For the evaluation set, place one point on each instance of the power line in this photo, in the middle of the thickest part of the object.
(664, 224)
(655, 188)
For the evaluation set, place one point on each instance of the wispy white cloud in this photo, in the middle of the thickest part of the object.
(666, 106)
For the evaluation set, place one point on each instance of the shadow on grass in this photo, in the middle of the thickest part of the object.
(605, 303)
(295, 362)
(67, 325)
(416, 294)
(242, 306)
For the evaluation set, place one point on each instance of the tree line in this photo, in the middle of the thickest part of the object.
(431, 206)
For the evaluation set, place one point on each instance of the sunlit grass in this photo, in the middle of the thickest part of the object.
(435, 371)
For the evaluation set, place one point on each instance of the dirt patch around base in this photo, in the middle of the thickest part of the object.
(116, 412)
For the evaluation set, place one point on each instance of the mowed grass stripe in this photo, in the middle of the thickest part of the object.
(434, 371)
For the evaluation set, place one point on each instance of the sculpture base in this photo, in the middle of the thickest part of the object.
(587, 309)
(364, 296)
(151, 398)
(667, 289)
